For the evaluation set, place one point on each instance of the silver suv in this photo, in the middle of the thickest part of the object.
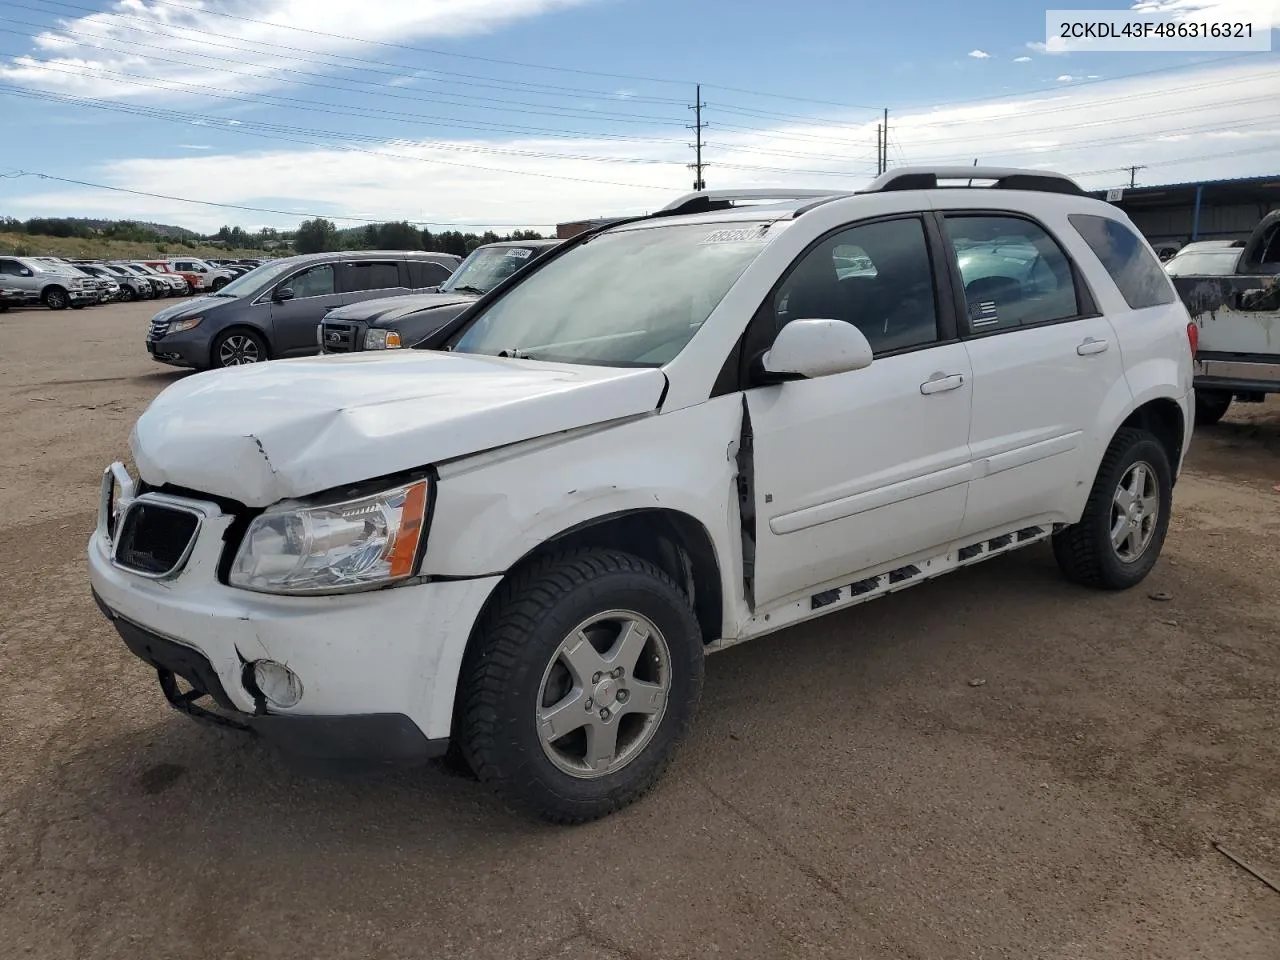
(57, 287)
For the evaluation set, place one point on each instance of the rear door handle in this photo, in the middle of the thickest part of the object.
(942, 383)
(1092, 345)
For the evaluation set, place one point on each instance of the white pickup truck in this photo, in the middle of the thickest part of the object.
(1232, 292)
(666, 436)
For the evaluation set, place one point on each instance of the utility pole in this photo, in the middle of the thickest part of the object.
(884, 164)
(1133, 175)
(697, 165)
(879, 149)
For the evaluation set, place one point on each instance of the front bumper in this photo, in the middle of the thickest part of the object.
(189, 348)
(374, 738)
(378, 669)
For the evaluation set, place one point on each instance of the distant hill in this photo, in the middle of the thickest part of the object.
(163, 229)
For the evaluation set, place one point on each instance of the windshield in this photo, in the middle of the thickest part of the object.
(143, 268)
(624, 298)
(255, 279)
(486, 268)
(1206, 263)
(121, 271)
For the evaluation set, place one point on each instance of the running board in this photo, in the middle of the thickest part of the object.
(869, 588)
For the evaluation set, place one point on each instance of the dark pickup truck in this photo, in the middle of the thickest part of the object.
(391, 323)
(1233, 294)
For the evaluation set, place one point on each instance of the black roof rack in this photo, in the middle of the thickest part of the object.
(1005, 178)
(705, 201)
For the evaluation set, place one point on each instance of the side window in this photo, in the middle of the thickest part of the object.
(9, 268)
(316, 282)
(426, 273)
(1141, 279)
(1014, 273)
(876, 276)
(372, 275)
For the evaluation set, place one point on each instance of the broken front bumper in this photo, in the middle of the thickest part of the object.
(377, 670)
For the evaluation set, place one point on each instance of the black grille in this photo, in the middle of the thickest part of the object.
(157, 330)
(340, 337)
(154, 538)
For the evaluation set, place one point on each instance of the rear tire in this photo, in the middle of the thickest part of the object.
(597, 649)
(1118, 539)
(1211, 406)
(128, 294)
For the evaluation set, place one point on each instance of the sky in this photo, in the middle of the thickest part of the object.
(526, 113)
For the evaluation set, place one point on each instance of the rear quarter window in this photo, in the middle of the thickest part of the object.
(1137, 273)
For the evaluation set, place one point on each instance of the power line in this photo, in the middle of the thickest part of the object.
(247, 128)
(238, 206)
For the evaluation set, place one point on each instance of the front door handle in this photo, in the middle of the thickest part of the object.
(1092, 345)
(941, 383)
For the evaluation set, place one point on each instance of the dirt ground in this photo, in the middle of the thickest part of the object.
(847, 791)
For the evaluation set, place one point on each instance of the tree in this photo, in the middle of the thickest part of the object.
(316, 236)
(399, 236)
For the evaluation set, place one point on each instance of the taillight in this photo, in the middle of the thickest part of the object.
(1193, 337)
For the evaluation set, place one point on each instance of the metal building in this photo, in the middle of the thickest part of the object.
(1178, 213)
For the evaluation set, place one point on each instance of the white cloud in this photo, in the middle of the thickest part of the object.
(1066, 78)
(1039, 46)
(69, 57)
(1021, 59)
(195, 146)
(979, 54)
(1257, 12)
(1216, 113)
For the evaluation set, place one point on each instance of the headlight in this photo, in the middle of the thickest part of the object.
(335, 547)
(185, 324)
(381, 340)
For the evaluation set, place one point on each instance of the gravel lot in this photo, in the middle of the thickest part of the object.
(847, 792)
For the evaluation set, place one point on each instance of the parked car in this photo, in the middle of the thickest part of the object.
(56, 286)
(113, 288)
(1233, 293)
(671, 434)
(211, 277)
(393, 322)
(133, 286)
(104, 290)
(1218, 260)
(174, 284)
(273, 312)
(194, 280)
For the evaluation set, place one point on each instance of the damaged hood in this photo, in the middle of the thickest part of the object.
(386, 309)
(273, 431)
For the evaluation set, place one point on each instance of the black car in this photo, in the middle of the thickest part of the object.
(395, 322)
(273, 311)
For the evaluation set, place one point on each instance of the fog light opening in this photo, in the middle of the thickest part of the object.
(279, 685)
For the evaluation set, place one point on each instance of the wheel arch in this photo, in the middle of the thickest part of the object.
(678, 543)
(1165, 419)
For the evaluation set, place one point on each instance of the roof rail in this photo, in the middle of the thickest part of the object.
(1006, 178)
(705, 201)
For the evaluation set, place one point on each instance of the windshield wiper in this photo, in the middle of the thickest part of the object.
(467, 289)
(516, 354)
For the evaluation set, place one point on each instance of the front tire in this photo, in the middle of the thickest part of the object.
(128, 294)
(1119, 537)
(55, 298)
(236, 348)
(582, 683)
(1211, 406)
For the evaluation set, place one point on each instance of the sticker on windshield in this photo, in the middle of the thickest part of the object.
(983, 314)
(519, 253)
(754, 234)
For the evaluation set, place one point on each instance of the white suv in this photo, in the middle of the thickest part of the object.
(670, 435)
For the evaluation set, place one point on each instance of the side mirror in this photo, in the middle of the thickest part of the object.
(817, 348)
(26, 272)
(283, 294)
